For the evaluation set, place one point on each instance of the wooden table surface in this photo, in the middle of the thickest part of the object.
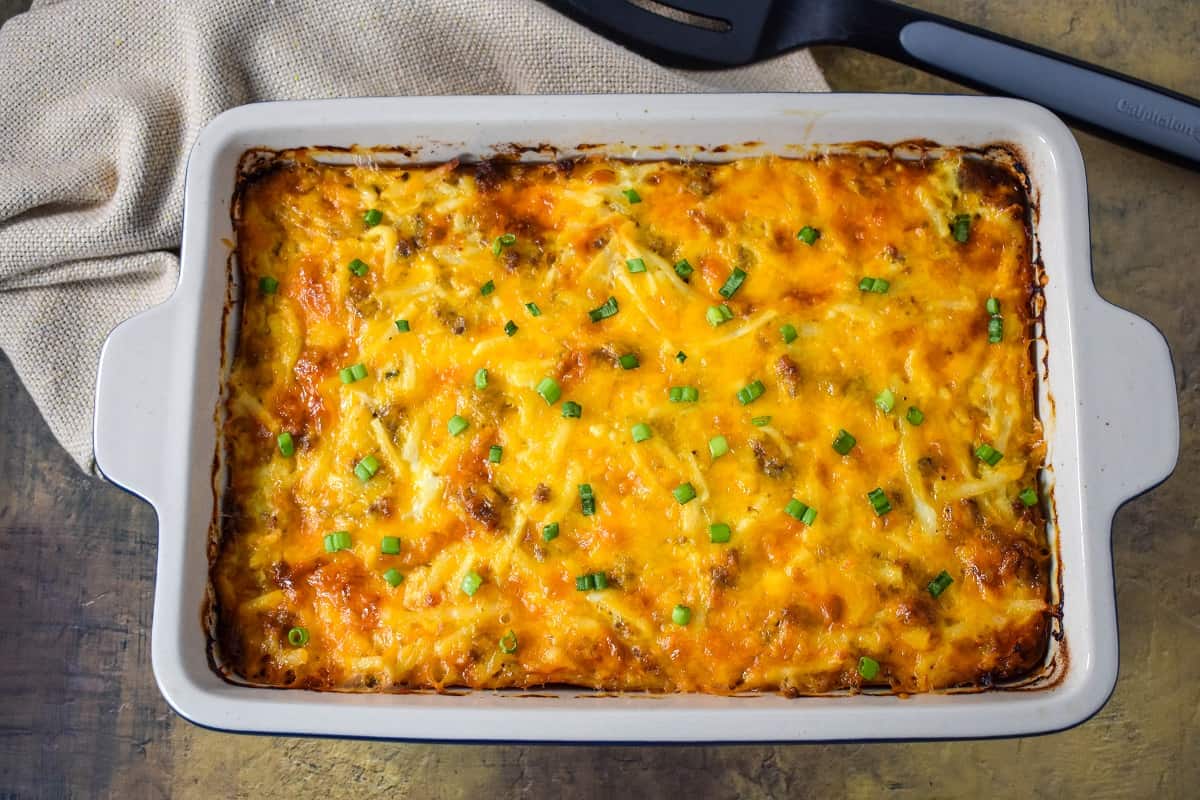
(80, 714)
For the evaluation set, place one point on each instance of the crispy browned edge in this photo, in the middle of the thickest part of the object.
(999, 164)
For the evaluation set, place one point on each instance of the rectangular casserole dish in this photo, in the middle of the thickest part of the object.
(1111, 433)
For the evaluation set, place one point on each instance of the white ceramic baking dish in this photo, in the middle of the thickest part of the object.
(1107, 398)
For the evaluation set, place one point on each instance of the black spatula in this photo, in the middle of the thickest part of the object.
(714, 34)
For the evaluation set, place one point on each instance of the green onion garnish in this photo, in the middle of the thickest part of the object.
(1028, 496)
(402, 326)
(366, 468)
(750, 392)
(599, 580)
(393, 577)
(549, 531)
(510, 328)
(876, 285)
(961, 228)
(800, 511)
(610, 308)
(338, 540)
(359, 267)
(297, 637)
(788, 332)
(549, 389)
(718, 446)
(808, 234)
(572, 410)
(373, 217)
(683, 269)
(719, 533)
(352, 373)
(809, 516)
(390, 545)
(502, 241)
(684, 493)
(681, 615)
(287, 448)
(268, 285)
(940, 583)
(681, 356)
(886, 400)
(629, 361)
(481, 378)
(457, 425)
(632, 196)
(587, 500)
(635, 265)
(992, 305)
(914, 416)
(495, 454)
(683, 394)
(508, 643)
(879, 501)
(583, 583)
(988, 454)
(471, 583)
(868, 668)
(760, 422)
(641, 432)
(844, 442)
(733, 283)
(995, 330)
(533, 309)
(487, 288)
(718, 315)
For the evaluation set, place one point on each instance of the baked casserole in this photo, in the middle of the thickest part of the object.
(760, 425)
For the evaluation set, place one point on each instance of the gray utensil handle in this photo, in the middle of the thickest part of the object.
(1127, 109)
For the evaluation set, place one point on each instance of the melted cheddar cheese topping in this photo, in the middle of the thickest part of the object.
(495, 266)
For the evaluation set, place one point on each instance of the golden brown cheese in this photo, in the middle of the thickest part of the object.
(782, 605)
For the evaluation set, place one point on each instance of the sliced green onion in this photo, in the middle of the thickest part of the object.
(760, 422)
(502, 241)
(809, 516)
(572, 410)
(268, 285)
(632, 196)
(487, 288)
(684, 493)
(346, 375)
(733, 283)
(599, 580)
(358, 371)
(718, 315)
(583, 583)
(683, 269)
(495, 454)
(508, 643)
(718, 446)
(719, 533)
(471, 583)
(681, 356)
(338, 540)
(641, 432)
(844, 442)
(988, 454)
(510, 328)
(788, 332)
(549, 389)
(366, 469)
(587, 500)
(610, 308)
(886, 401)
(359, 267)
(550, 532)
(868, 668)
(390, 545)
(876, 285)
(533, 309)
(879, 501)
(993, 306)
(808, 234)
(683, 394)
(481, 378)
(402, 326)
(961, 228)
(629, 361)
(795, 508)
(457, 425)
(393, 577)
(1028, 496)
(297, 637)
(995, 330)
(750, 392)
(914, 416)
(681, 615)
(373, 217)
(287, 448)
(940, 583)
(635, 265)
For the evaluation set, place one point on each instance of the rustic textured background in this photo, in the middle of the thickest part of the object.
(80, 716)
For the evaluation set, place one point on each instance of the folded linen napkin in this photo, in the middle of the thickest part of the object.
(100, 102)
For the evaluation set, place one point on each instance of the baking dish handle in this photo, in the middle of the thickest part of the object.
(132, 409)
(1127, 407)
